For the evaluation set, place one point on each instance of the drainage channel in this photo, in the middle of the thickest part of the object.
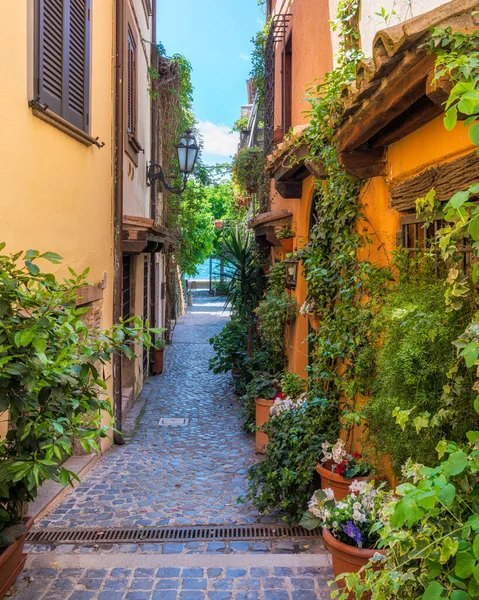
(128, 535)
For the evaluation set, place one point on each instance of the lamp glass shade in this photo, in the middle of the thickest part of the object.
(187, 153)
(291, 273)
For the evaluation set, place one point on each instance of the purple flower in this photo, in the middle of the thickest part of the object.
(353, 532)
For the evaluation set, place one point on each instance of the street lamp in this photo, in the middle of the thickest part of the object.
(187, 150)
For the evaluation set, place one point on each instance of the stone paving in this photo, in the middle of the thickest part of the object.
(183, 475)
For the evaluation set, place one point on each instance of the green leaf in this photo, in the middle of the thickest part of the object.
(465, 564)
(458, 199)
(475, 546)
(447, 494)
(473, 436)
(309, 521)
(448, 549)
(455, 464)
(474, 134)
(473, 228)
(34, 269)
(460, 595)
(27, 337)
(433, 591)
(52, 257)
(450, 119)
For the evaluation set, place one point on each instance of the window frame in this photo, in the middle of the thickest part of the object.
(59, 111)
(132, 145)
(287, 83)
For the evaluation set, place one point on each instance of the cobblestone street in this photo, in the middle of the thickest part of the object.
(179, 475)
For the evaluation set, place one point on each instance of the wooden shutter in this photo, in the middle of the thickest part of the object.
(50, 55)
(131, 91)
(63, 58)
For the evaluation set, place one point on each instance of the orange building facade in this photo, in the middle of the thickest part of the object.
(392, 135)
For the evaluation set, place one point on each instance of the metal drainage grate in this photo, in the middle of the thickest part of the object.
(127, 535)
(173, 422)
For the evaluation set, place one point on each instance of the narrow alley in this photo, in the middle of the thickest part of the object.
(172, 476)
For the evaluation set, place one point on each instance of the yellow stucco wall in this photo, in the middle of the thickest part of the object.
(56, 193)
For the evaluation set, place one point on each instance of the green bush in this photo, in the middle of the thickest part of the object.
(416, 371)
(285, 479)
(274, 313)
(261, 385)
(230, 346)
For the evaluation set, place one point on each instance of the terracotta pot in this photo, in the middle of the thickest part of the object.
(348, 559)
(12, 561)
(159, 359)
(287, 244)
(339, 484)
(314, 321)
(278, 135)
(263, 407)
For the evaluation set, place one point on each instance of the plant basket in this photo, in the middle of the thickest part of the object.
(12, 560)
(278, 135)
(338, 484)
(263, 407)
(346, 558)
(159, 360)
(314, 321)
(287, 244)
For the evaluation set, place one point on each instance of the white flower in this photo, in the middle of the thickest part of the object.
(326, 446)
(329, 493)
(358, 486)
(341, 505)
(335, 524)
(357, 506)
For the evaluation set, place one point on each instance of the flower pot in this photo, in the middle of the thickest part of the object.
(346, 558)
(159, 358)
(263, 408)
(314, 321)
(287, 244)
(278, 135)
(12, 561)
(338, 484)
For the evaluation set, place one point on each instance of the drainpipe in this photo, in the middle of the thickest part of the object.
(153, 191)
(118, 209)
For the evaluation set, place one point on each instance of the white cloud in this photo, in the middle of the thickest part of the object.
(218, 139)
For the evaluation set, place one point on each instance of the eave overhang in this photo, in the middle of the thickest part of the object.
(394, 93)
(265, 224)
(140, 235)
(289, 164)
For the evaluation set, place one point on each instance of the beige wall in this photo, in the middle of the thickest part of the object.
(56, 193)
(371, 23)
(136, 199)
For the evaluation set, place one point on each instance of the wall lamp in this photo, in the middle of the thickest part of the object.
(291, 273)
(187, 150)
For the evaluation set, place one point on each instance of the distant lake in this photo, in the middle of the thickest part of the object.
(204, 271)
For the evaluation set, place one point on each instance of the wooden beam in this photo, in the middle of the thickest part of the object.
(133, 246)
(365, 163)
(89, 293)
(289, 189)
(420, 113)
(316, 168)
(398, 92)
(446, 179)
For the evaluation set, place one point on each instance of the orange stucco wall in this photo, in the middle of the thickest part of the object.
(312, 54)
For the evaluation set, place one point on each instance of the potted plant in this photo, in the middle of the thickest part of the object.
(286, 236)
(308, 310)
(347, 524)
(292, 394)
(52, 387)
(159, 356)
(278, 135)
(338, 469)
(248, 169)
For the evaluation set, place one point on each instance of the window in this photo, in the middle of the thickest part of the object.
(62, 59)
(287, 77)
(131, 86)
(145, 312)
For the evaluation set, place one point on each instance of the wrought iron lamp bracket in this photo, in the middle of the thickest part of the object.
(151, 176)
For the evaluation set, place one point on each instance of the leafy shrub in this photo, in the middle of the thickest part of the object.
(51, 378)
(285, 479)
(292, 385)
(274, 313)
(230, 347)
(262, 385)
(248, 168)
(277, 278)
(417, 378)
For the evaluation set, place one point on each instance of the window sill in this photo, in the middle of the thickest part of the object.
(134, 143)
(47, 115)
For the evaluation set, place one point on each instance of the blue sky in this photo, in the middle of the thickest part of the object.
(215, 37)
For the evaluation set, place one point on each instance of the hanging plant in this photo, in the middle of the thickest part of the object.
(248, 169)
